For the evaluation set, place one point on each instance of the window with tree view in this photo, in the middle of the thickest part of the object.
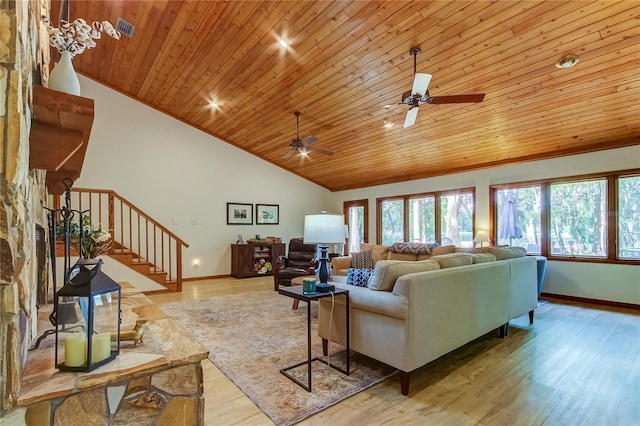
(578, 218)
(596, 216)
(518, 221)
(422, 224)
(456, 219)
(629, 217)
(443, 217)
(392, 218)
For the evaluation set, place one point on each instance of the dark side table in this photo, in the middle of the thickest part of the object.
(296, 293)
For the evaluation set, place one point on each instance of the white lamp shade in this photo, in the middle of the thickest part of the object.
(324, 228)
(482, 237)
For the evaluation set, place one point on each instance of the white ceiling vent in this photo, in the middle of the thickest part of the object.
(124, 27)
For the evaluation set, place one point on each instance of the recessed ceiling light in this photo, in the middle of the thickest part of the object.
(388, 124)
(567, 61)
(213, 105)
(284, 43)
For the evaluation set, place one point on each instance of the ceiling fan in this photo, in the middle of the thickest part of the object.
(420, 95)
(302, 146)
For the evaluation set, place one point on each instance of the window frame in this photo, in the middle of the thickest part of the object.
(437, 213)
(611, 179)
(345, 210)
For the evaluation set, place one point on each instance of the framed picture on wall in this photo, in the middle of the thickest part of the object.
(267, 214)
(239, 214)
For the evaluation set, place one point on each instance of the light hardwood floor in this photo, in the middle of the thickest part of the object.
(578, 364)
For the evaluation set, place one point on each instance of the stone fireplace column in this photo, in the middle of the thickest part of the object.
(23, 49)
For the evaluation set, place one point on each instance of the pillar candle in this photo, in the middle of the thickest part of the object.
(100, 347)
(75, 350)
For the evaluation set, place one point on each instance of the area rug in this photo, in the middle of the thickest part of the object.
(251, 336)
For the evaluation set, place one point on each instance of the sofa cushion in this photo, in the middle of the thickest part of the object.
(452, 260)
(378, 252)
(502, 253)
(472, 250)
(402, 256)
(482, 257)
(386, 272)
(437, 251)
(358, 277)
(362, 260)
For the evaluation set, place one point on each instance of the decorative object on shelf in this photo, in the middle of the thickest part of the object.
(91, 242)
(63, 78)
(239, 240)
(323, 229)
(71, 39)
(134, 335)
(239, 214)
(267, 214)
(86, 310)
(87, 343)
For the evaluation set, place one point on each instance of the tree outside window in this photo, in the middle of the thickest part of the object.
(628, 217)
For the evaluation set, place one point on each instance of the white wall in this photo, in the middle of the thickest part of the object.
(177, 173)
(598, 281)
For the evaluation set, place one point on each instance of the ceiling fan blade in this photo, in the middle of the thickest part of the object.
(321, 150)
(288, 154)
(412, 114)
(455, 99)
(308, 141)
(420, 84)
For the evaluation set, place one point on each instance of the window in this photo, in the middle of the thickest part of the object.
(443, 217)
(392, 219)
(356, 215)
(518, 220)
(589, 218)
(577, 219)
(628, 222)
(456, 219)
(422, 222)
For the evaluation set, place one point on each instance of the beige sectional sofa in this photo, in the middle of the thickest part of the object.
(414, 312)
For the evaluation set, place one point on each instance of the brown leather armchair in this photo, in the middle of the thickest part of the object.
(299, 262)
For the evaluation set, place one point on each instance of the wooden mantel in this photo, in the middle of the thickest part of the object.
(60, 130)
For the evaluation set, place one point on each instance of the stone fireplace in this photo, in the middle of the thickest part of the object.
(158, 382)
(23, 51)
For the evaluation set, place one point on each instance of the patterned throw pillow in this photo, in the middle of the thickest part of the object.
(362, 260)
(358, 277)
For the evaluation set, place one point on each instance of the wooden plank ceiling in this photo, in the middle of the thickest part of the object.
(348, 61)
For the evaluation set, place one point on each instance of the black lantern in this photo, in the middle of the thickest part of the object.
(88, 318)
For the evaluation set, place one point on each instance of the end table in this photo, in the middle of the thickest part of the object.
(297, 293)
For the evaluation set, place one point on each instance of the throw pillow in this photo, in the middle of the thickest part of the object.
(502, 253)
(452, 260)
(358, 277)
(386, 272)
(362, 260)
(482, 257)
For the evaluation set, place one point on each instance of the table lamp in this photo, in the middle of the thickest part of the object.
(482, 237)
(323, 229)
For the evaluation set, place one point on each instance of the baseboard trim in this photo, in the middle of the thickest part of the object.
(594, 301)
(154, 292)
(207, 277)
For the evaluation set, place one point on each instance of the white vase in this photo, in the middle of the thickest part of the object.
(63, 78)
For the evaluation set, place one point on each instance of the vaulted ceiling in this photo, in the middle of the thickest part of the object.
(348, 64)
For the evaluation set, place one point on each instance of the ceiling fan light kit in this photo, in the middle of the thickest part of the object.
(419, 93)
(301, 146)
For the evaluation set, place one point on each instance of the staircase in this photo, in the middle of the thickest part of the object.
(139, 241)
